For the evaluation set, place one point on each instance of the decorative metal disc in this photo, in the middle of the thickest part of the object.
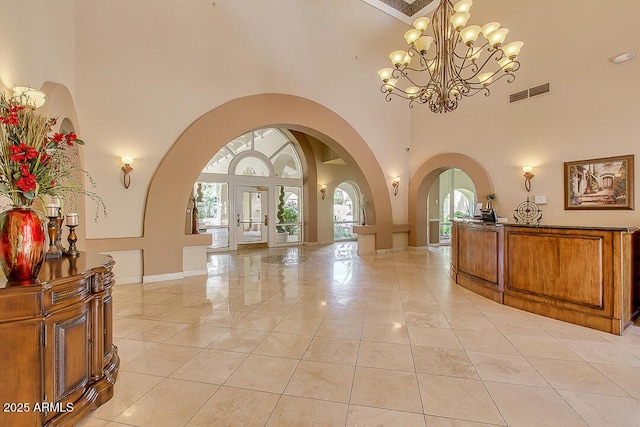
(528, 213)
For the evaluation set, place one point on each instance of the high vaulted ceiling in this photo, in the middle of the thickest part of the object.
(405, 10)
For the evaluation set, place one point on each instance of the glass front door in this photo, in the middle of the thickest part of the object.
(252, 218)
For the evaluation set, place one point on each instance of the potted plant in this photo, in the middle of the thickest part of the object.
(490, 198)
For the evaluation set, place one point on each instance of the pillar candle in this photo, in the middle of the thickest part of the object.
(72, 218)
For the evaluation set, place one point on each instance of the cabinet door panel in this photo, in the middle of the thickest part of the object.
(20, 384)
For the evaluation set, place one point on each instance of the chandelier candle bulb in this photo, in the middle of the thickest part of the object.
(485, 78)
(423, 44)
(459, 20)
(412, 91)
(385, 74)
(421, 23)
(489, 28)
(463, 6)
(412, 35)
(72, 219)
(512, 50)
(496, 38)
(470, 34)
(390, 84)
(397, 57)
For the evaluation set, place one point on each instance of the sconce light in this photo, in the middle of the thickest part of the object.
(395, 184)
(126, 168)
(29, 96)
(323, 191)
(527, 177)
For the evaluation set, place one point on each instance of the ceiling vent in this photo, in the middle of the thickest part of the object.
(528, 93)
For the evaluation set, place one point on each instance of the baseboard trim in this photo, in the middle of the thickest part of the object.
(162, 277)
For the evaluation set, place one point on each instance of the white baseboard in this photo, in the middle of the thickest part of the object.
(128, 280)
(201, 272)
(162, 277)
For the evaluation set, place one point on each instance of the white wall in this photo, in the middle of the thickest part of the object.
(591, 111)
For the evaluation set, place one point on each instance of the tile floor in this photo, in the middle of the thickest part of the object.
(342, 340)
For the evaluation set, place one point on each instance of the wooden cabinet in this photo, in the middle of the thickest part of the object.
(57, 355)
(583, 275)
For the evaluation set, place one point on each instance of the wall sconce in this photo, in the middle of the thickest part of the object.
(395, 184)
(29, 96)
(126, 168)
(323, 191)
(527, 177)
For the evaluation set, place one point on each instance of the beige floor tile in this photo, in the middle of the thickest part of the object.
(362, 416)
(506, 368)
(129, 350)
(380, 388)
(524, 326)
(604, 411)
(422, 306)
(171, 403)
(443, 361)
(485, 342)
(210, 366)
(310, 310)
(126, 326)
(129, 388)
(340, 329)
(451, 422)
(432, 320)
(198, 335)
(284, 345)
(332, 350)
(89, 421)
(377, 315)
(301, 326)
(224, 318)
(385, 356)
(301, 412)
(158, 331)
(575, 376)
(433, 337)
(533, 406)
(242, 340)
(323, 381)
(349, 314)
(601, 352)
(258, 321)
(395, 333)
(627, 378)
(236, 407)
(459, 321)
(269, 307)
(458, 398)
(162, 360)
(153, 311)
(263, 373)
(541, 346)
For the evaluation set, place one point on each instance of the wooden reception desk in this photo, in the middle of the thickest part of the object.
(584, 275)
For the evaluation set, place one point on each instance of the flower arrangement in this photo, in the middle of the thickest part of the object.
(34, 160)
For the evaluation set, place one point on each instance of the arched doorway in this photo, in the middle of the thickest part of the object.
(346, 211)
(423, 179)
(452, 195)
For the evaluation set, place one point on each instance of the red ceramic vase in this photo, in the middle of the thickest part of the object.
(22, 244)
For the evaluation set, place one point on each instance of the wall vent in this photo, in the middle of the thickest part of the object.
(528, 93)
(518, 96)
(539, 90)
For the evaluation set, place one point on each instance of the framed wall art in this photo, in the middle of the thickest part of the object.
(605, 183)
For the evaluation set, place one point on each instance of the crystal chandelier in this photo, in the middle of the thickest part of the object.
(441, 68)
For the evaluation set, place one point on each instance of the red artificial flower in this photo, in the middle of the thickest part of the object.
(22, 152)
(24, 169)
(70, 137)
(27, 183)
(57, 137)
(11, 120)
(44, 158)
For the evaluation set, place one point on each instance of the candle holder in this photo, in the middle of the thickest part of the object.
(59, 221)
(72, 238)
(53, 229)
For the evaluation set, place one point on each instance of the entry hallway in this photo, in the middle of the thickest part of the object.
(318, 336)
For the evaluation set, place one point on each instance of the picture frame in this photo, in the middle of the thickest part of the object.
(604, 183)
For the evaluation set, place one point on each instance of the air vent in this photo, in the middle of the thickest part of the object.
(528, 93)
(518, 96)
(539, 90)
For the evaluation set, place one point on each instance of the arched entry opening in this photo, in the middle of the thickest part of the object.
(172, 183)
(422, 181)
(346, 211)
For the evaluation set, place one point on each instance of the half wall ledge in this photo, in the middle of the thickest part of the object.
(367, 235)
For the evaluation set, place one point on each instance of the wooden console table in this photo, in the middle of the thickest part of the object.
(57, 358)
(589, 276)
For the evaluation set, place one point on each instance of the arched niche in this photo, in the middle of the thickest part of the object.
(424, 177)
